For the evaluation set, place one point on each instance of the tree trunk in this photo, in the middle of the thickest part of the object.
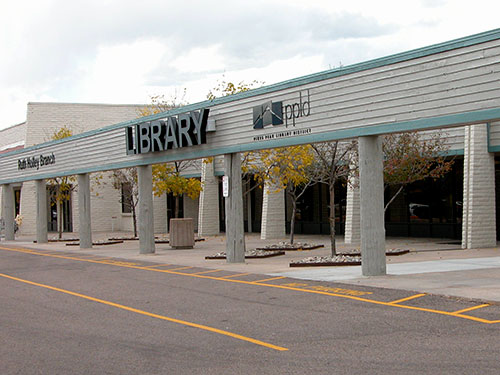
(134, 218)
(332, 220)
(249, 213)
(292, 220)
(60, 219)
(393, 197)
(176, 212)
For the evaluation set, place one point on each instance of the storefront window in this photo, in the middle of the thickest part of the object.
(126, 198)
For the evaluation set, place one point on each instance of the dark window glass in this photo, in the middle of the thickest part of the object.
(126, 198)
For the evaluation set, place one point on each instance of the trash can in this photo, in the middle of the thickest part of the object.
(181, 233)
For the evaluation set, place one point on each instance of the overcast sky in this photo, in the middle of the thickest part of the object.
(110, 51)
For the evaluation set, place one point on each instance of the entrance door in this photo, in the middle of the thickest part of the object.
(66, 212)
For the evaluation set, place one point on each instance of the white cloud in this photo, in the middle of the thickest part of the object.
(200, 59)
(115, 51)
(118, 72)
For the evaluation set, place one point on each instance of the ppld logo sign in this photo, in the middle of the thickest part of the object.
(274, 113)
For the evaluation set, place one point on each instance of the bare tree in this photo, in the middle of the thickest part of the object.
(411, 157)
(333, 162)
(125, 180)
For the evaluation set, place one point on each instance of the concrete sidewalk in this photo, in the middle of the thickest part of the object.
(432, 266)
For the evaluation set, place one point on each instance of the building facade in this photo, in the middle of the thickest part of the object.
(451, 87)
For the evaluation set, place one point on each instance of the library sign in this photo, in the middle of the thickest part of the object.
(187, 129)
(35, 162)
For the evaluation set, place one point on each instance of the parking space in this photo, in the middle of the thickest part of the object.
(404, 301)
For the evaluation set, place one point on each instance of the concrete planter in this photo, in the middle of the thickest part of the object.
(181, 233)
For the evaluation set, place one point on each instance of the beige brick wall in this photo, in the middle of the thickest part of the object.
(208, 215)
(191, 210)
(45, 118)
(13, 135)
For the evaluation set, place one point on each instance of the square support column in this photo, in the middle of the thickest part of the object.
(273, 213)
(479, 214)
(41, 211)
(371, 181)
(146, 219)
(208, 213)
(8, 211)
(235, 235)
(84, 213)
(352, 223)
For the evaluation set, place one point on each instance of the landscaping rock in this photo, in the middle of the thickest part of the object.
(96, 243)
(250, 254)
(390, 252)
(317, 261)
(297, 246)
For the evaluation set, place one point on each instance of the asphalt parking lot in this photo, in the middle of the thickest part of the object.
(67, 312)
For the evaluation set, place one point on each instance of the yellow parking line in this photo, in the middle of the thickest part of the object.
(408, 298)
(201, 273)
(471, 308)
(272, 278)
(93, 257)
(236, 275)
(173, 272)
(159, 265)
(152, 315)
(172, 269)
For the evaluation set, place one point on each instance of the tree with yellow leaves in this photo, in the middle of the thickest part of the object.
(167, 179)
(226, 88)
(286, 168)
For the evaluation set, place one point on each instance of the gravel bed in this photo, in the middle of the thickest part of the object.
(390, 252)
(250, 254)
(96, 243)
(297, 246)
(123, 238)
(338, 260)
(157, 239)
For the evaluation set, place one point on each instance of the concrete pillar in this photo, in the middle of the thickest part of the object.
(352, 222)
(41, 211)
(8, 211)
(371, 181)
(479, 216)
(235, 236)
(84, 213)
(145, 218)
(208, 214)
(273, 213)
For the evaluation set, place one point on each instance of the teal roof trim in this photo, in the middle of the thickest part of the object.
(475, 117)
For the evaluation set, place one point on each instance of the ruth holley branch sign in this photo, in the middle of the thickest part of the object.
(35, 162)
